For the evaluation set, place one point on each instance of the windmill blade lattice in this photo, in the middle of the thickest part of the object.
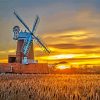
(35, 24)
(26, 45)
(19, 18)
(42, 45)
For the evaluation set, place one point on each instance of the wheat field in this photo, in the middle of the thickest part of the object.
(49, 87)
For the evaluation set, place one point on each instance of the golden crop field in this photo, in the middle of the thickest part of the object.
(49, 87)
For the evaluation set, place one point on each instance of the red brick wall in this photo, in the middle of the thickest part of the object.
(39, 68)
(19, 54)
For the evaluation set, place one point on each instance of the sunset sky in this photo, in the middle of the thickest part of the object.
(69, 28)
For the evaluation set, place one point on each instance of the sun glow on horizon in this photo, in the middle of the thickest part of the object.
(57, 57)
(62, 66)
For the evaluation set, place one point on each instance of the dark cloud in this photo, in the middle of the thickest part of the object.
(72, 36)
(74, 46)
(92, 40)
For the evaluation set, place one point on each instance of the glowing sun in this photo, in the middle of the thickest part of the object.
(62, 66)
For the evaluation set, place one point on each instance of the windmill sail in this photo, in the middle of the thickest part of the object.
(35, 24)
(27, 44)
(19, 18)
(32, 36)
(42, 45)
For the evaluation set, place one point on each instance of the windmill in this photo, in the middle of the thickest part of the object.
(24, 53)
